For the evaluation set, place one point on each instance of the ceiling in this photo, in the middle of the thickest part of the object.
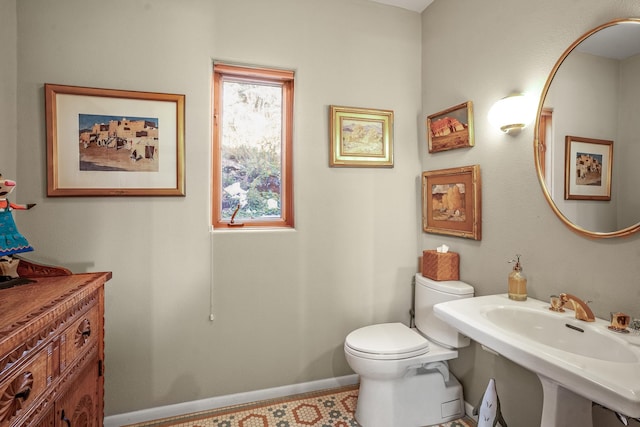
(616, 42)
(608, 43)
(415, 5)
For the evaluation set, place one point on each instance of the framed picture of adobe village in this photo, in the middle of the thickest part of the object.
(451, 128)
(107, 142)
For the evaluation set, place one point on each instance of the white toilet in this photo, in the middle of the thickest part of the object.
(404, 376)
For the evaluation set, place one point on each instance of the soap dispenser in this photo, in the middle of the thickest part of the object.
(517, 282)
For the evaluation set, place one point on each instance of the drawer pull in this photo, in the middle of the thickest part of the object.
(65, 419)
(13, 397)
(83, 333)
(24, 394)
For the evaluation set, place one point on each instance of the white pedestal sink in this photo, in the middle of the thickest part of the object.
(562, 407)
(577, 362)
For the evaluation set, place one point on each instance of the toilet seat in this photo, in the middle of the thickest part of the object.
(386, 341)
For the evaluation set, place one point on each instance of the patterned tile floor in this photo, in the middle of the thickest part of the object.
(327, 408)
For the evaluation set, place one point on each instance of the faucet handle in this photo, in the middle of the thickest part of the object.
(619, 322)
(557, 304)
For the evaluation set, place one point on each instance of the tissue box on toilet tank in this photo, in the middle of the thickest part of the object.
(440, 265)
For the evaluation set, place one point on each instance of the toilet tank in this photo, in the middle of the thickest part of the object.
(430, 292)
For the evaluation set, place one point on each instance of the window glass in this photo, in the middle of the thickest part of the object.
(252, 143)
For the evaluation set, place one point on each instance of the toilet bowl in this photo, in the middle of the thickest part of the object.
(404, 375)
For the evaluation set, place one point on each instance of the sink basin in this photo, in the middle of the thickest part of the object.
(577, 362)
(562, 333)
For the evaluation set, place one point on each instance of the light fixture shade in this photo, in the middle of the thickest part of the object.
(513, 113)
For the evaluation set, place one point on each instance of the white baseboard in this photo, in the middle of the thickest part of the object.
(228, 400)
(236, 399)
(468, 411)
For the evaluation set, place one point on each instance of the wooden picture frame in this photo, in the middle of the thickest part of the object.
(360, 137)
(451, 128)
(106, 142)
(452, 202)
(588, 168)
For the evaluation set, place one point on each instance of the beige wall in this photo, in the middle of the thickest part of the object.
(582, 79)
(283, 300)
(628, 153)
(8, 87)
(482, 51)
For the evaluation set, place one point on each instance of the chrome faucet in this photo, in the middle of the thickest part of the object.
(583, 312)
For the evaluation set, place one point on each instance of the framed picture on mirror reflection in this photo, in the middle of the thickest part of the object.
(588, 168)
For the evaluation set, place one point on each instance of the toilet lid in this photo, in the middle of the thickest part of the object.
(387, 339)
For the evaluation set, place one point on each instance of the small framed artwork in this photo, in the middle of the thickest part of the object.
(588, 168)
(106, 142)
(451, 128)
(360, 137)
(451, 202)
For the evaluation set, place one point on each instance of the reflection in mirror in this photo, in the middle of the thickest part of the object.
(593, 94)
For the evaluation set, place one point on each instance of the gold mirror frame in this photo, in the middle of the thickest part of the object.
(538, 148)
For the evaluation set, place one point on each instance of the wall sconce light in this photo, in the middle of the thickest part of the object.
(513, 113)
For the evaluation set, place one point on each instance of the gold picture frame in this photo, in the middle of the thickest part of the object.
(452, 202)
(451, 128)
(106, 142)
(360, 137)
(588, 168)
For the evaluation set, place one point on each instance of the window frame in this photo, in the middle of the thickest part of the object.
(285, 79)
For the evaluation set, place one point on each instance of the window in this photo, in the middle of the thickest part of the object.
(252, 147)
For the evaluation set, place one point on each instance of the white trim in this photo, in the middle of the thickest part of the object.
(228, 400)
(468, 410)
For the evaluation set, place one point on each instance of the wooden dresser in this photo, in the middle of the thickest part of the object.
(52, 351)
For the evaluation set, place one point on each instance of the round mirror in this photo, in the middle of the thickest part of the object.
(586, 143)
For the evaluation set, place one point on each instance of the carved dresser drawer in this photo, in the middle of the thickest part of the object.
(51, 352)
(80, 336)
(25, 382)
